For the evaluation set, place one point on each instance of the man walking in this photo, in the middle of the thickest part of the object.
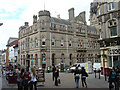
(53, 70)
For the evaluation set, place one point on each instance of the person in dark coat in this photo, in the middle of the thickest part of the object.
(53, 70)
(118, 77)
(112, 79)
(83, 77)
(56, 75)
(18, 78)
(76, 76)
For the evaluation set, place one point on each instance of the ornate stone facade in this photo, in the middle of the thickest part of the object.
(109, 22)
(53, 40)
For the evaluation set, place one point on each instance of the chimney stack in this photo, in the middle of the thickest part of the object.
(71, 14)
(26, 24)
(34, 19)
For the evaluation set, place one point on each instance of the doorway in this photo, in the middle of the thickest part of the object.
(53, 59)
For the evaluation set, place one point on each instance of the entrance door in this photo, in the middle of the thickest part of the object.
(53, 59)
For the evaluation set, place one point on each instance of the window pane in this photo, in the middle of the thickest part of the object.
(112, 5)
(110, 61)
(109, 6)
(115, 61)
(113, 31)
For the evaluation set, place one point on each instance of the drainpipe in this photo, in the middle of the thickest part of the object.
(50, 51)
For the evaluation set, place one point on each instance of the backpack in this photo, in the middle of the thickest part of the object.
(86, 74)
(113, 75)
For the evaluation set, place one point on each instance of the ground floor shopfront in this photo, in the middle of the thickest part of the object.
(46, 58)
(110, 57)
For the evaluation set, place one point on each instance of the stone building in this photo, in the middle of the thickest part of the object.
(106, 17)
(11, 52)
(53, 40)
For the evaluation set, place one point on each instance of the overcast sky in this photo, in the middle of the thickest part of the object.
(13, 13)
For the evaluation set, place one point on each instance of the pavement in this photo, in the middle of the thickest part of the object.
(67, 81)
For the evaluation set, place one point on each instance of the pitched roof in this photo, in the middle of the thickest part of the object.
(60, 21)
(92, 28)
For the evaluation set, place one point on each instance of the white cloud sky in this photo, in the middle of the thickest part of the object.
(13, 13)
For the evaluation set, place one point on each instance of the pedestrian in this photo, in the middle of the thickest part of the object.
(99, 72)
(83, 77)
(53, 70)
(95, 72)
(112, 79)
(118, 77)
(24, 79)
(33, 81)
(76, 76)
(56, 75)
(18, 78)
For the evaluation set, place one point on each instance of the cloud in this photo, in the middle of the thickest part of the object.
(14, 13)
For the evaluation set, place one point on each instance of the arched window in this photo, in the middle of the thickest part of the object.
(43, 41)
(62, 57)
(62, 42)
(53, 42)
(31, 43)
(36, 42)
(36, 60)
(43, 58)
(70, 43)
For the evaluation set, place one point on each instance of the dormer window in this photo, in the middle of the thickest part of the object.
(112, 27)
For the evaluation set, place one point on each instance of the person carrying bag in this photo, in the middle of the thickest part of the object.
(76, 76)
(83, 77)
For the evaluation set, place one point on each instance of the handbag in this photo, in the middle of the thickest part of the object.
(59, 82)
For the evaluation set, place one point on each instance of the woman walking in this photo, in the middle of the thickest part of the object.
(23, 82)
(76, 76)
(83, 77)
(33, 80)
(18, 78)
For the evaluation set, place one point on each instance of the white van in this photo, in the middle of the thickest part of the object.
(97, 66)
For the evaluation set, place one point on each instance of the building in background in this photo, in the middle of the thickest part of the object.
(3, 59)
(12, 51)
(106, 17)
(51, 41)
(0, 57)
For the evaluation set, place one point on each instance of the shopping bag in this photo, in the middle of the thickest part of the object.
(59, 82)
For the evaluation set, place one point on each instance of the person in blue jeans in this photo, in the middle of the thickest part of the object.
(76, 75)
